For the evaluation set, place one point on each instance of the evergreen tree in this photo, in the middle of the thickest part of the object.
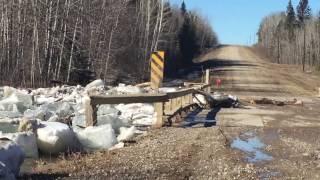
(187, 38)
(291, 15)
(303, 11)
(290, 20)
(183, 8)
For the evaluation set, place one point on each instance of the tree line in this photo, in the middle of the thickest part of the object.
(75, 41)
(292, 37)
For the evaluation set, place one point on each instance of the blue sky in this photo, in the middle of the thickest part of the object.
(237, 21)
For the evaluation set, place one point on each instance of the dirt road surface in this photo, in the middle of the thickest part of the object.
(253, 142)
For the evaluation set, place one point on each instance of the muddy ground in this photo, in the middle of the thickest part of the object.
(252, 142)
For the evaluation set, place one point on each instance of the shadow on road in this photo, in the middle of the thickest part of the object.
(218, 63)
(201, 118)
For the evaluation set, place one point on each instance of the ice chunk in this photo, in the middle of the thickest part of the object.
(117, 146)
(35, 114)
(44, 100)
(8, 91)
(79, 121)
(64, 109)
(55, 137)
(107, 109)
(123, 89)
(95, 84)
(61, 109)
(53, 91)
(16, 101)
(1, 92)
(126, 133)
(72, 97)
(8, 127)
(234, 98)
(54, 118)
(200, 99)
(137, 108)
(146, 120)
(39, 91)
(10, 114)
(26, 140)
(167, 90)
(113, 120)
(142, 114)
(97, 138)
(5, 173)
(11, 156)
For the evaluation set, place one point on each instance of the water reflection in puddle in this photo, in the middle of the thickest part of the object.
(253, 148)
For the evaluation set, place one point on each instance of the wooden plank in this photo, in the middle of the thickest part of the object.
(207, 76)
(128, 99)
(177, 110)
(90, 113)
(175, 102)
(159, 109)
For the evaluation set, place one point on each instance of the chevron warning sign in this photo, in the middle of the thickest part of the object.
(157, 67)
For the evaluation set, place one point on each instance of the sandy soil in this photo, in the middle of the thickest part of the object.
(286, 138)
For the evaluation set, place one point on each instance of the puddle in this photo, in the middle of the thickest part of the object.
(8, 128)
(253, 147)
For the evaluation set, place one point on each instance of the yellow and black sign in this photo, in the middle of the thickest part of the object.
(157, 68)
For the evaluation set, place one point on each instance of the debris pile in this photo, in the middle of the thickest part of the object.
(217, 100)
(267, 101)
(51, 121)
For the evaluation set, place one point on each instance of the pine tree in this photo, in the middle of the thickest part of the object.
(291, 15)
(303, 11)
(183, 8)
(290, 20)
(187, 38)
